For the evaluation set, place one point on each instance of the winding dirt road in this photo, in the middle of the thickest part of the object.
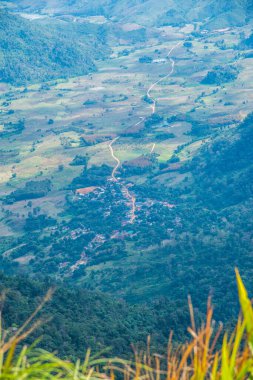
(118, 163)
(154, 102)
(130, 196)
(153, 148)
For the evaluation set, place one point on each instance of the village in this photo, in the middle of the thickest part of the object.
(115, 212)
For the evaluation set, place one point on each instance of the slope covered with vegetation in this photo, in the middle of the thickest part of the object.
(37, 51)
(223, 170)
(78, 319)
(200, 358)
(210, 230)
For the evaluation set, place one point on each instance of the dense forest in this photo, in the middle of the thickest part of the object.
(77, 319)
(41, 51)
(223, 170)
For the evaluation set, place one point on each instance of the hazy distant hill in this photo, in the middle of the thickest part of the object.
(214, 14)
(38, 51)
(151, 12)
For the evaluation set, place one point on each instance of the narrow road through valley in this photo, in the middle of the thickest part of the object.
(115, 158)
(153, 105)
(130, 197)
(153, 148)
(125, 190)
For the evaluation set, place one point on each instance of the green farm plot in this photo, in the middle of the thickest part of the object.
(165, 150)
(5, 230)
(128, 150)
(189, 151)
(100, 154)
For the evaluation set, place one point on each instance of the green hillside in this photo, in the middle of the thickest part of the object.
(223, 172)
(40, 51)
(210, 230)
(78, 319)
(209, 353)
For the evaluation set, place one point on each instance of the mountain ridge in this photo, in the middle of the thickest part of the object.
(38, 51)
(152, 12)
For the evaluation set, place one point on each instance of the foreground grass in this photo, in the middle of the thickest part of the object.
(197, 359)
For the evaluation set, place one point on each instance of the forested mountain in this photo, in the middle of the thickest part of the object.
(44, 49)
(152, 12)
(78, 319)
(223, 171)
(39, 51)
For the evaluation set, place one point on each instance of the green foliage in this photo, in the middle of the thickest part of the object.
(165, 136)
(224, 167)
(94, 176)
(200, 358)
(11, 128)
(220, 75)
(38, 223)
(188, 44)
(31, 190)
(147, 99)
(249, 41)
(154, 119)
(79, 319)
(80, 161)
(37, 51)
(145, 59)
